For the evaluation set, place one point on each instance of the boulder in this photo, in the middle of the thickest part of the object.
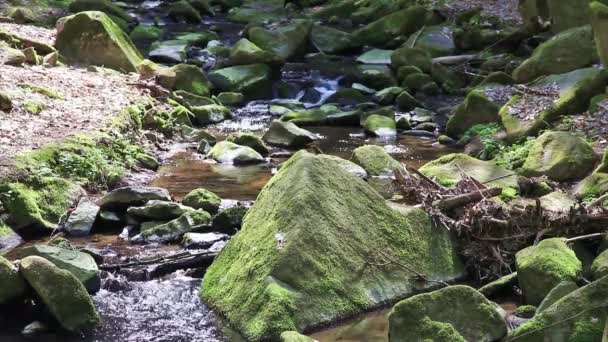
(202, 6)
(592, 186)
(63, 295)
(406, 102)
(249, 140)
(130, 196)
(454, 313)
(499, 286)
(407, 56)
(287, 134)
(81, 220)
(183, 10)
(169, 51)
(375, 161)
(93, 38)
(11, 56)
(231, 153)
(477, 108)
(202, 199)
(210, 114)
(173, 230)
(599, 22)
(6, 104)
(558, 292)
(156, 210)
(244, 52)
(540, 268)
(332, 41)
(311, 228)
(436, 40)
(105, 6)
(186, 77)
(37, 207)
(599, 268)
(202, 240)
(12, 285)
(347, 166)
(448, 170)
(231, 99)
(578, 316)
(144, 32)
(252, 80)
(400, 23)
(80, 264)
(557, 201)
(561, 156)
(380, 126)
(286, 41)
(387, 96)
(565, 52)
(376, 56)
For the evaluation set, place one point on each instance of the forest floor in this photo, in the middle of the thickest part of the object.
(506, 10)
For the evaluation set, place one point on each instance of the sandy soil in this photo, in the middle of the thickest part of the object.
(39, 34)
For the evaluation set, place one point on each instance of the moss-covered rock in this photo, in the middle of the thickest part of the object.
(230, 98)
(476, 109)
(387, 96)
(229, 220)
(501, 285)
(404, 22)
(186, 77)
(560, 156)
(93, 38)
(245, 52)
(406, 102)
(145, 32)
(183, 10)
(294, 336)
(599, 22)
(592, 186)
(104, 6)
(11, 56)
(156, 210)
(202, 6)
(448, 170)
(231, 153)
(376, 56)
(130, 196)
(380, 126)
(286, 41)
(525, 311)
(12, 285)
(80, 264)
(375, 161)
(436, 40)
(169, 51)
(332, 41)
(63, 295)
(311, 228)
(567, 51)
(579, 316)
(287, 134)
(454, 313)
(202, 199)
(599, 268)
(175, 229)
(407, 56)
(36, 207)
(540, 268)
(210, 114)
(6, 104)
(249, 140)
(252, 80)
(558, 292)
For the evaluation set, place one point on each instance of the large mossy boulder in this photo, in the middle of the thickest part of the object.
(375, 160)
(286, 41)
(313, 226)
(80, 264)
(448, 171)
(561, 156)
(454, 313)
(230, 153)
(36, 207)
(411, 57)
(403, 22)
(252, 80)
(540, 268)
(175, 229)
(62, 294)
(599, 22)
(12, 285)
(578, 316)
(287, 134)
(567, 51)
(93, 38)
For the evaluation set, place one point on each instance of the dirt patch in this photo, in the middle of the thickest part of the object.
(35, 33)
(50, 104)
(506, 10)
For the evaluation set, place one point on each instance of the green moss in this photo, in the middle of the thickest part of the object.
(318, 274)
(34, 107)
(146, 32)
(599, 18)
(294, 336)
(202, 199)
(599, 268)
(48, 92)
(374, 160)
(525, 311)
(498, 286)
(399, 23)
(558, 292)
(4, 230)
(476, 109)
(592, 186)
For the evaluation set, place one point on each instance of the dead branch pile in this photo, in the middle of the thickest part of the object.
(490, 232)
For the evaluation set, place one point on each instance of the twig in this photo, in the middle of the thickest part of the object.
(584, 237)
(598, 201)
(415, 40)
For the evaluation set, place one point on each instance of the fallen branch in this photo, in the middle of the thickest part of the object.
(454, 60)
(464, 199)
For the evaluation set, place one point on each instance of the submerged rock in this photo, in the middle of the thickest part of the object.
(202, 199)
(375, 161)
(130, 196)
(173, 230)
(314, 225)
(159, 210)
(454, 313)
(540, 268)
(80, 264)
(63, 295)
(231, 153)
(287, 134)
(93, 38)
(12, 285)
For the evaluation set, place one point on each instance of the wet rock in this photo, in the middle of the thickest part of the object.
(380, 126)
(144, 32)
(202, 199)
(6, 104)
(147, 161)
(540, 268)
(33, 329)
(406, 102)
(294, 336)
(286, 41)
(374, 160)
(210, 114)
(81, 220)
(561, 156)
(332, 41)
(182, 10)
(376, 56)
(62, 294)
(173, 230)
(407, 56)
(231, 153)
(599, 22)
(196, 135)
(328, 115)
(11, 56)
(403, 124)
(231, 99)
(387, 96)
(448, 79)
(499, 286)
(252, 80)
(169, 51)
(159, 210)
(249, 140)
(580, 315)
(130, 196)
(401, 23)
(573, 49)
(111, 47)
(319, 221)
(599, 268)
(82, 265)
(12, 285)
(287, 134)
(477, 108)
(185, 77)
(245, 52)
(436, 40)
(558, 292)
(426, 126)
(203, 147)
(448, 170)
(229, 220)
(36, 208)
(202, 240)
(454, 313)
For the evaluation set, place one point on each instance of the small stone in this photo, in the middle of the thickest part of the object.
(81, 220)
(202, 199)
